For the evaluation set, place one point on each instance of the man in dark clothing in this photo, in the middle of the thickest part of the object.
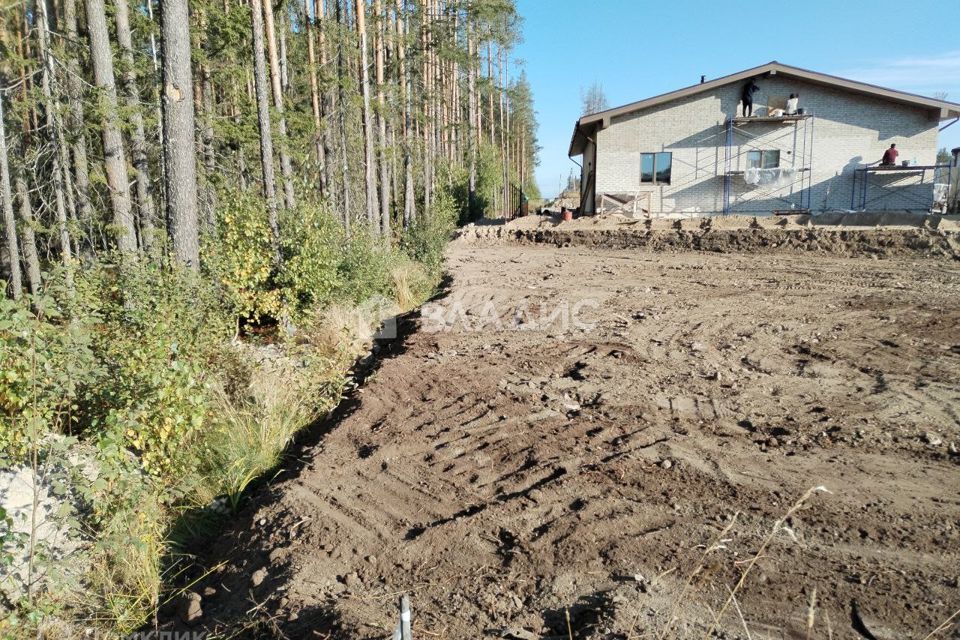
(747, 98)
(890, 156)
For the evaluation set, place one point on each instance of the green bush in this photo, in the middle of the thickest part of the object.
(157, 328)
(425, 240)
(312, 242)
(365, 267)
(47, 364)
(320, 263)
(240, 256)
(121, 361)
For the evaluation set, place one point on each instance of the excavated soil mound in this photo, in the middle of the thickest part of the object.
(881, 243)
(617, 436)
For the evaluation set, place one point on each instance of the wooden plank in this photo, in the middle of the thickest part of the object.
(794, 118)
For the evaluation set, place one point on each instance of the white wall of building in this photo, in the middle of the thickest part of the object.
(847, 131)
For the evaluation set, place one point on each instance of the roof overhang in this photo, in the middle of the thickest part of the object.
(588, 125)
(582, 133)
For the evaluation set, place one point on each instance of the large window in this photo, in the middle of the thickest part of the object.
(763, 159)
(655, 167)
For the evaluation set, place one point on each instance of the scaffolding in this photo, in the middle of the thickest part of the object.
(794, 139)
(860, 197)
(721, 152)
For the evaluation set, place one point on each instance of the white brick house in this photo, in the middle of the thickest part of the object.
(691, 151)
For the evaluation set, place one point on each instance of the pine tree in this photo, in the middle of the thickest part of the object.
(15, 283)
(55, 131)
(409, 204)
(180, 162)
(78, 144)
(114, 156)
(380, 56)
(319, 134)
(263, 122)
(276, 83)
(369, 161)
(30, 254)
(138, 136)
(368, 107)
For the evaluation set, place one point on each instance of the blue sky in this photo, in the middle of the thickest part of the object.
(638, 48)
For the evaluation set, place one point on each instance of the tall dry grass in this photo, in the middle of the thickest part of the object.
(292, 387)
(252, 433)
(411, 284)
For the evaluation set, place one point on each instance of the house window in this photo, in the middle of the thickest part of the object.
(763, 159)
(655, 167)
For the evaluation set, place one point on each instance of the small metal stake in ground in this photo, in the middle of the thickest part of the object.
(403, 632)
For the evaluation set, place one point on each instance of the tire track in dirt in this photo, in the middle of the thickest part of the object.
(504, 474)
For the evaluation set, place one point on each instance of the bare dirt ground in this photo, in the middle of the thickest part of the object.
(615, 434)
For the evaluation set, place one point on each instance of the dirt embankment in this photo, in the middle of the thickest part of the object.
(725, 235)
(615, 434)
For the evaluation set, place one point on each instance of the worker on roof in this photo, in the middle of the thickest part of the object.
(890, 156)
(747, 97)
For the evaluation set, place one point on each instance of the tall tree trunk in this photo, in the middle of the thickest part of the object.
(114, 157)
(78, 146)
(504, 146)
(56, 138)
(31, 121)
(209, 158)
(472, 125)
(180, 158)
(204, 113)
(326, 96)
(286, 168)
(522, 154)
(30, 254)
(138, 136)
(428, 119)
(282, 41)
(315, 102)
(28, 237)
(15, 283)
(342, 112)
(158, 101)
(409, 204)
(455, 111)
(491, 89)
(439, 102)
(263, 122)
(444, 97)
(382, 119)
(310, 11)
(369, 161)
(395, 187)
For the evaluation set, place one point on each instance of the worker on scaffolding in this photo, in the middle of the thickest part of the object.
(890, 156)
(747, 97)
(793, 103)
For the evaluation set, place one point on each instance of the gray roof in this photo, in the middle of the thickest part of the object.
(589, 123)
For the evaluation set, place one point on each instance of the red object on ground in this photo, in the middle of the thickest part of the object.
(566, 215)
